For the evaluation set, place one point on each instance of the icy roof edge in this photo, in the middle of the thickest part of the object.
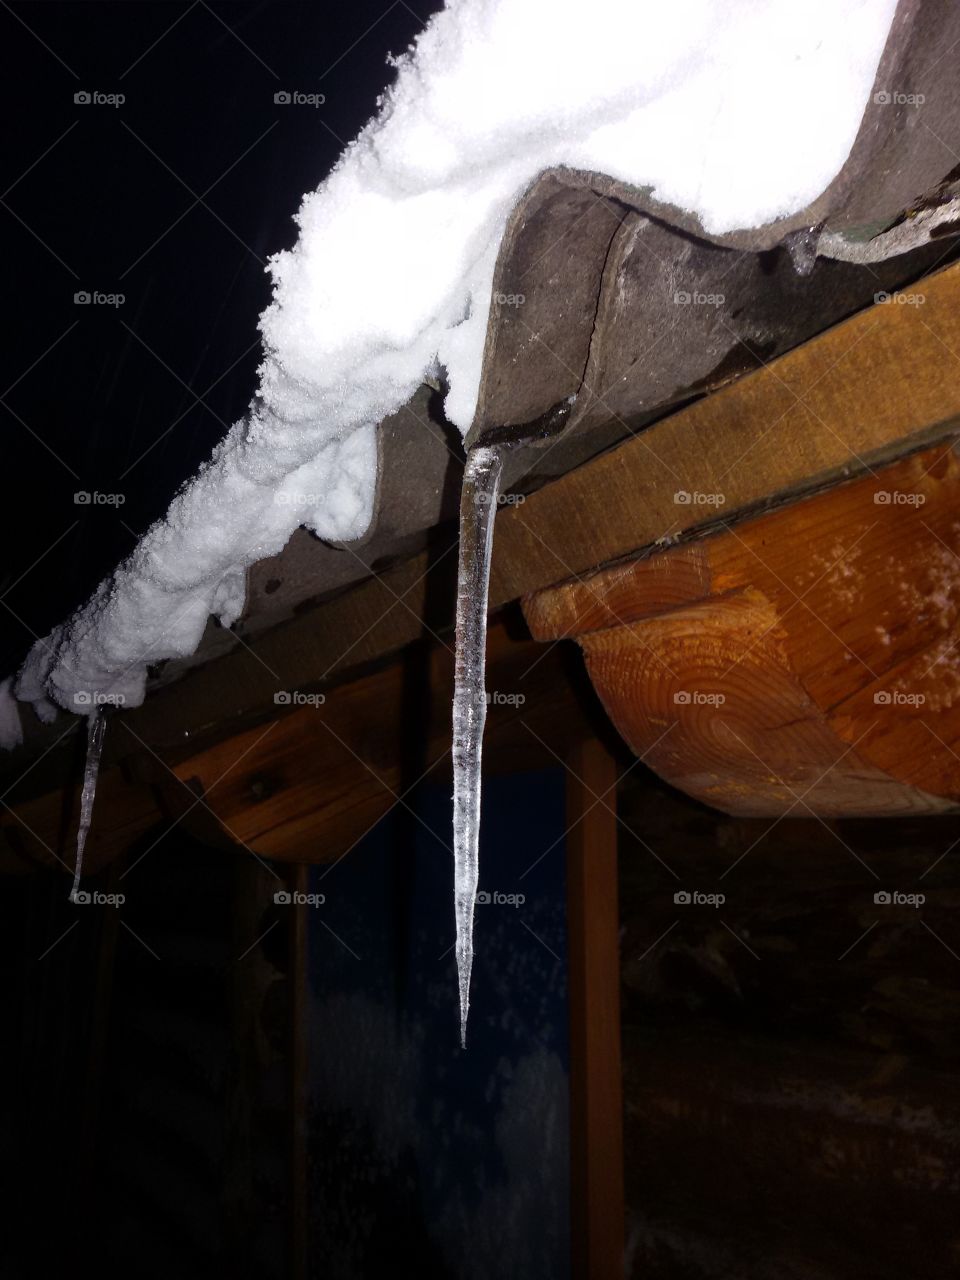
(442, 170)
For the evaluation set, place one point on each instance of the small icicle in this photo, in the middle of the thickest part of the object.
(802, 246)
(478, 506)
(95, 727)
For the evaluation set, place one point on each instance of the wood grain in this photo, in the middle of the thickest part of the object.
(314, 778)
(857, 396)
(806, 660)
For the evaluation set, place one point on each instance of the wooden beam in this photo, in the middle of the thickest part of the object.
(873, 388)
(299, 1007)
(804, 661)
(41, 830)
(88, 1146)
(593, 931)
(314, 778)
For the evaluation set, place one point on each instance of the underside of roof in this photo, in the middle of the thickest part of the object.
(611, 310)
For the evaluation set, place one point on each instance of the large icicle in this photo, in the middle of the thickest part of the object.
(95, 727)
(478, 506)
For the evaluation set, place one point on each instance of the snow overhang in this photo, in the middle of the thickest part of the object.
(603, 344)
(600, 340)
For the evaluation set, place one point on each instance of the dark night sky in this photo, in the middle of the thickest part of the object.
(175, 199)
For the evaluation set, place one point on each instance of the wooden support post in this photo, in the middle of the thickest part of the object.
(299, 999)
(596, 1108)
(99, 1028)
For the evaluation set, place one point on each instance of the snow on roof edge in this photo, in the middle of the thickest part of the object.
(392, 272)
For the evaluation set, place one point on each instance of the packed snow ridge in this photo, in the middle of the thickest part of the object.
(736, 110)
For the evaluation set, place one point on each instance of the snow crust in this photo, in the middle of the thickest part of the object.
(741, 111)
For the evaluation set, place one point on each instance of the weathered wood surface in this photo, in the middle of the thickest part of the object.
(42, 830)
(760, 1160)
(806, 660)
(319, 774)
(790, 1051)
(865, 391)
(298, 1077)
